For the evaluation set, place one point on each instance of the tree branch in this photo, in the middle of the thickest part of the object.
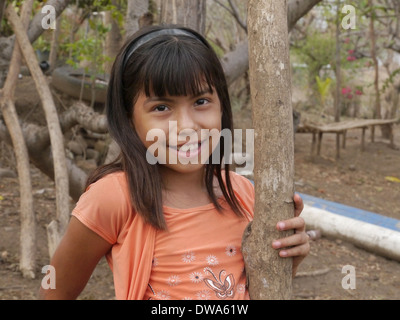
(41, 156)
(233, 10)
(35, 27)
(236, 15)
(235, 68)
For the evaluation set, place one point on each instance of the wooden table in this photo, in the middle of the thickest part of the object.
(340, 128)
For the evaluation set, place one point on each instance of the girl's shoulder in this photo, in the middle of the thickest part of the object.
(241, 184)
(244, 191)
(112, 186)
(105, 206)
(117, 177)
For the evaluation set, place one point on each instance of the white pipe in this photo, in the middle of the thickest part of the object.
(379, 240)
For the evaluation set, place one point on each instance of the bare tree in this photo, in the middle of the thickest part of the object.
(269, 276)
(338, 75)
(377, 110)
(28, 222)
(57, 227)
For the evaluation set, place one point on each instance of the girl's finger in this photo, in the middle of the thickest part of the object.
(298, 205)
(296, 223)
(294, 240)
(298, 251)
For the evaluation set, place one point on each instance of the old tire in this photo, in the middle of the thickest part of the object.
(69, 81)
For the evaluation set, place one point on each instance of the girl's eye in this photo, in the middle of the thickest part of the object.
(160, 108)
(201, 102)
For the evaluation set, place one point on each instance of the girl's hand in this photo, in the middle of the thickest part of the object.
(296, 245)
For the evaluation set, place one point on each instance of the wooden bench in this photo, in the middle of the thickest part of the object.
(340, 128)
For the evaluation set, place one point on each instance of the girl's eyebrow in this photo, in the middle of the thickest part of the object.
(156, 98)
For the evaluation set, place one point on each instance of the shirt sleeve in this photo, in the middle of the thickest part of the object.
(104, 208)
(244, 191)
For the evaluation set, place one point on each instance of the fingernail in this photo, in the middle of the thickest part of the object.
(276, 244)
(283, 253)
(281, 225)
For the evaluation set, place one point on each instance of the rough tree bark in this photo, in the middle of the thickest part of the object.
(269, 276)
(27, 261)
(135, 10)
(189, 13)
(57, 227)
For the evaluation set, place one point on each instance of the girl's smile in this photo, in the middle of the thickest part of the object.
(188, 150)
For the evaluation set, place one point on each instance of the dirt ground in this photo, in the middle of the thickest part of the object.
(356, 179)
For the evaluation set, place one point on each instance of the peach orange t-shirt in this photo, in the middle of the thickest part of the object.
(198, 257)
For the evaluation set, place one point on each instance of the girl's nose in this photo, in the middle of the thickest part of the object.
(186, 120)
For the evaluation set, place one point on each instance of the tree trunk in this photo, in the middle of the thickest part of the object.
(377, 110)
(189, 13)
(54, 46)
(113, 38)
(385, 129)
(395, 100)
(136, 9)
(269, 276)
(27, 260)
(56, 137)
(338, 64)
(338, 68)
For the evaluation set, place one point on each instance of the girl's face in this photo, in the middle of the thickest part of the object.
(181, 132)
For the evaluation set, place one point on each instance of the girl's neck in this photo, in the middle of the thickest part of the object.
(186, 182)
(184, 190)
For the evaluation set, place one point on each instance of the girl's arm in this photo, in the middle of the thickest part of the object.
(296, 245)
(74, 261)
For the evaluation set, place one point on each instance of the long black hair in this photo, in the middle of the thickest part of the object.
(177, 65)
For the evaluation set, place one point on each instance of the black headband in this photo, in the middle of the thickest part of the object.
(149, 36)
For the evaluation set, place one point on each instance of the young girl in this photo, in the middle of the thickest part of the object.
(169, 230)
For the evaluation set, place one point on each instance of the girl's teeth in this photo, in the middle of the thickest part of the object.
(184, 148)
(191, 147)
